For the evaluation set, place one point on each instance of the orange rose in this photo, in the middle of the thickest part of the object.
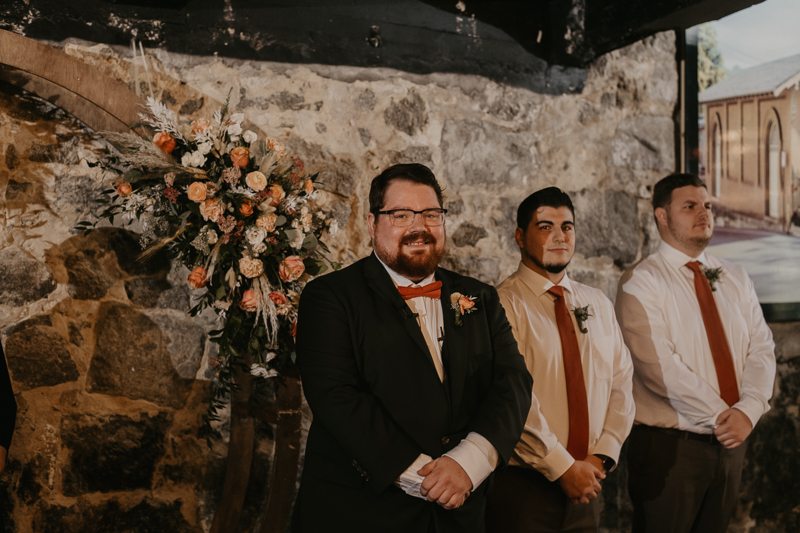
(164, 141)
(200, 125)
(291, 268)
(276, 193)
(256, 181)
(198, 278)
(124, 188)
(278, 298)
(240, 156)
(309, 186)
(465, 303)
(247, 208)
(249, 301)
(197, 191)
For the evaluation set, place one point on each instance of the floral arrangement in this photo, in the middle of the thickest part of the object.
(713, 275)
(582, 315)
(235, 210)
(462, 305)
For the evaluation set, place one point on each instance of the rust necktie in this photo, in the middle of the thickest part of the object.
(578, 443)
(720, 351)
(431, 290)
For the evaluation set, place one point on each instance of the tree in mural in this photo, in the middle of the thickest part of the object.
(710, 64)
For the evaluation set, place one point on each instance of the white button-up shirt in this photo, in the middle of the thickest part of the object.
(475, 454)
(607, 371)
(675, 382)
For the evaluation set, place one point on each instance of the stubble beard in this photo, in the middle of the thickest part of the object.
(698, 244)
(553, 268)
(414, 266)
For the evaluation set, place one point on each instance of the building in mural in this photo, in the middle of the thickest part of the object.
(752, 141)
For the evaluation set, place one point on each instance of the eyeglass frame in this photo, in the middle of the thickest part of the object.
(392, 212)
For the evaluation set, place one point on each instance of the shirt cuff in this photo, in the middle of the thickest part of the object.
(556, 463)
(409, 481)
(751, 407)
(476, 456)
(607, 445)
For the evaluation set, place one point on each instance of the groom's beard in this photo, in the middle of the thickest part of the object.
(415, 265)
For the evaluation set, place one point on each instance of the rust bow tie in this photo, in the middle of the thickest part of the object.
(431, 290)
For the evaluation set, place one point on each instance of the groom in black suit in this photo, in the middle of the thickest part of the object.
(415, 403)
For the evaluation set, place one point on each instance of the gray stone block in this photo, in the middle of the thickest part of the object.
(24, 280)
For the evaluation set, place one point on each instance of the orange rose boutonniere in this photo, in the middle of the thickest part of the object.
(462, 305)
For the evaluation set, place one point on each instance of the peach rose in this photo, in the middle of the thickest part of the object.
(198, 278)
(309, 186)
(200, 125)
(256, 181)
(465, 303)
(250, 268)
(240, 156)
(278, 298)
(267, 221)
(211, 209)
(247, 208)
(249, 301)
(276, 193)
(124, 188)
(197, 191)
(165, 141)
(291, 268)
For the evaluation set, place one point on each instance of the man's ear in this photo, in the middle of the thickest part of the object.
(661, 216)
(371, 225)
(519, 237)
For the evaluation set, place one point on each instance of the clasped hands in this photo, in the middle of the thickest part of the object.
(445, 483)
(581, 482)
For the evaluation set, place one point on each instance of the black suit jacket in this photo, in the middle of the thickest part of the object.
(8, 406)
(378, 403)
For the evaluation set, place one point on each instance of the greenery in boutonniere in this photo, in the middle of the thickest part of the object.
(462, 305)
(582, 315)
(713, 275)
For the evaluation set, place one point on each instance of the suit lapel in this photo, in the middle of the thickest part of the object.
(456, 343)
(379, 281)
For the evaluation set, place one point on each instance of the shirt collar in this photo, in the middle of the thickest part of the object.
(538, 283)
(402, 281)
(676, 258)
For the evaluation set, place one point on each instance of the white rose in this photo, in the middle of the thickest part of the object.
(237, 118)
(193, 159)
(255, 235)
(205, 147)
(260, 248)
(211, 235)
(249, 137)
(234, 129)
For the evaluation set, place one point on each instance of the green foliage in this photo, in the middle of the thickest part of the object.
(710, 65)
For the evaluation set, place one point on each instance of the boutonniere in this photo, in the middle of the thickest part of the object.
(582, 315)
(462, 305)
(713, 275)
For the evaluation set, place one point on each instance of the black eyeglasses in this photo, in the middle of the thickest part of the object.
(405, 217)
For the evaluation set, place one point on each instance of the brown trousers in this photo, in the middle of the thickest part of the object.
(681, 485)
(523, 500)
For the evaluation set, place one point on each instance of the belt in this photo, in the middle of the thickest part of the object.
(680, 434)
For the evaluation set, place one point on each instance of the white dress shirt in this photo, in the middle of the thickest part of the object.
(607, 371)
(675, 382)
(475, 454)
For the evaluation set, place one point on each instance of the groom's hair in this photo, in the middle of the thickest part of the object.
(549, 197)
(662, 192)
(413, 172)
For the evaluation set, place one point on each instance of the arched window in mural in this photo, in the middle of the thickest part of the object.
(716, 140)
(773, 169)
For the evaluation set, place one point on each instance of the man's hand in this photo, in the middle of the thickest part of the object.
(596, 462)
(733, 427)
(445, 482)
(581, 482)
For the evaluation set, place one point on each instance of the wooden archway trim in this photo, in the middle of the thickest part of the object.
(101, 102)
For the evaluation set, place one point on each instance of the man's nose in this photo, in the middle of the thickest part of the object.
(417, 223)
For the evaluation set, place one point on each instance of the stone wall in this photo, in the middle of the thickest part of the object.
(111, 375)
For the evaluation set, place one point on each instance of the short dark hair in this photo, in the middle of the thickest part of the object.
(413, 172)
(662, 192)
(548, 197)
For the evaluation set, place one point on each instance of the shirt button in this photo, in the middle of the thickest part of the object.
(445, 440)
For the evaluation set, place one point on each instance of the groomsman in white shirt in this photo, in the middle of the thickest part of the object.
(704, 365)
(582, 407)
